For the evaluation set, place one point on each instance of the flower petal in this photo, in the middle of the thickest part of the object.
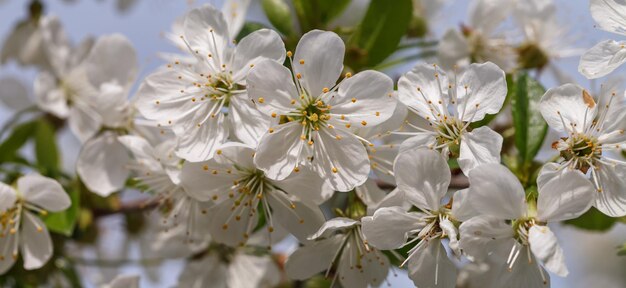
(101, 164)
(481, 146)
(206, 31)
(431, 267)
(298, 218)
(13, 94)
(226, 228)
(35, 242)
(389, 227)
(566, 104)
(44, 192)
(462, 208)
(482, 235)
(612, 199)
(340, 158)
(84, 122)
(480, 91)
(544, 245)
(272, 82)
(8, 244)
(48, 97)
(363, 98)
(419, 90)
(424, 177)
(565, 197)
(248, 123)
(420, 140)
(370, 193)
(199, 143)
(307, 186)
(124, 281)
(337, 223)
(322, 52)
(112, 59)
(256, 46)
(259, 271)
(453, 49)
(235, 15)
(602, 59)
(279, 152)
(8, 196)
(609, 14)
(497, 192)
(313, 258)
(369, 271)
(142, 151)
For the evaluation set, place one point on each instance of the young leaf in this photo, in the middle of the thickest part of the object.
(593, 220)
(64, 222)
(380, 32)
(315, 14)
(16, 140)
(46, 150)
(530, 127)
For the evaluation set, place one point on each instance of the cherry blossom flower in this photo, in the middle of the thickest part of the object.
(318, 117)
(242, 192)
(591, 129)
(20, 227)
(606, 56)
(450, 104)
(507, 221)
(200, 100)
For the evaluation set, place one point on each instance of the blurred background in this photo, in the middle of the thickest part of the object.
(591, 256)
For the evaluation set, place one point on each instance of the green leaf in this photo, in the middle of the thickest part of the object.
(593, 220)
(315, 14)
(279, 14)
(248, 28)
(46, 150)
(64, 222)
(380, 32)
(12, 144)
(530, 127)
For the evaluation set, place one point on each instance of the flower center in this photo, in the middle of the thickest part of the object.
(581, 150)
(449, 135)
(532, 56)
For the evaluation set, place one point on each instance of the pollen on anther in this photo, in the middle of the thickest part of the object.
(205, 168)
(377, 113)
(363, 123)
(261, 100)
(289, 54)
(271, 130)
(273, 114)
(334, 169)
(214, 172)
(348, 74)
(298, 75)
(353, 100)
(301, 61)
(325, 90)
(348, 125)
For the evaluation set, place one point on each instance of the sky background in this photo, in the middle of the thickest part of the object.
(590, 257)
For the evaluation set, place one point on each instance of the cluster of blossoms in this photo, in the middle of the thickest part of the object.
(242, 143)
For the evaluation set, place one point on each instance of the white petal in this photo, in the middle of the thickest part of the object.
(340, 158)
(142, 151)
(544, 245)
(332, 225)
(9, 245)
(36, 244)
(497, 192)
(366, 97)
(370, 271)
(49, 97)
(313, 258)
(44, 192)
(481, 146)
(273, 82)
(420, 140)
(13, 94)
(208, 180)
(462, 208)
(566, 104)
(8, 197)
(548, 172)
(235, 15)
(394, 198)
(389, 227)
(248, 123)
(279, 152)
(199, 143)
(112, 59)
(259, 271)
(609, 14)
(602, 59)
(450, 230)
(480, 91)
(370, 193)
(453, 48)
(258, 45)
(102, 164)
(431, 267)
(307, 186)
(422, 77)
(84, 122)
(565, 197)
(612, 200)
(424, 177)
(206, 31)
(483, 235)
(322, 52)
(301, 221)
(486, 15)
